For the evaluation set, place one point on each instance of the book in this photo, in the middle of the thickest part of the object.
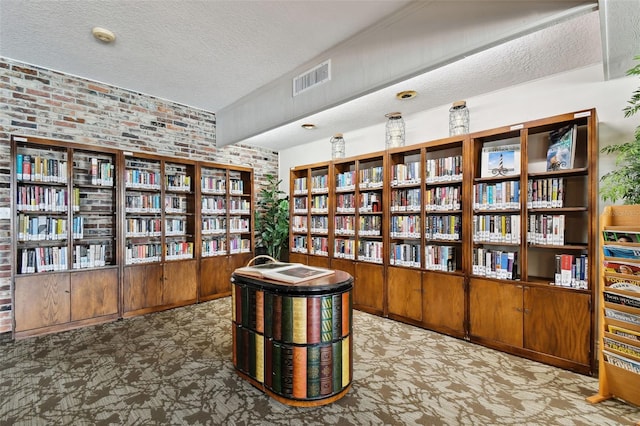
(337, 366)
(259, 357)
(313, 371)
(500, 161)
(292, 273)
(562, 148)
(326, 320)
(621, 236)
(622, 283)
(287, 319)
(621, 299)
(326, 369)
(621, 347)
(299, 319)
(623, 332)
(622, 316)
(628, 268)
(621, 361)
(313, 319)
(623, 252)
(300, 372)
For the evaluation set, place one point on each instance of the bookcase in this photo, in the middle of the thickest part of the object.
(65, 224)
(485, 237)
(160, 264)
(619, 305)
(226, 218)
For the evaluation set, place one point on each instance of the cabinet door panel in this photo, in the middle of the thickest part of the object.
(319, 261)
(345, 265)
(94, 293)
(142, 287)
(180, 282)
(443, 296)
(557, 322)
(368, 289)
(404, 292)
(495, 311)
(41, 301)
(214, 276)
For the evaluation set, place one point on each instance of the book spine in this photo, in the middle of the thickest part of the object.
(287, 319)
(299, 334)
(245, 306)
(313, 372)
(234, 344)
(251, 305)
(237, 298)
(313, 319)
(336, 316)
(337, 365)
(268, 363)
(245, 360)
(346, 363)
(277, 367)
(277, 318)
(326, 320)
(251, 353)
(259, 311)
(300, 372)
(268, 314)
(326, 368)
(287, 370)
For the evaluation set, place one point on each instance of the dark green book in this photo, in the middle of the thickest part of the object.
(276, 364)
(337, 366)
(251, 347)
(268, 363)
(313, 371)
(337, 316)
(287, 319)
(287, 370)
(326, 322)
(268, 314)
(245, 306)
(252, 309)
(277, 318)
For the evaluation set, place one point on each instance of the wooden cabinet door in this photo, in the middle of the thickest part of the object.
(214, 277)
(319, 261)
(495, 311)
(41, 300)
(404, 292)
(557, 322)
(298, 258)
(443, 302)
(94, 293)
(368, 288)
(345, 265)
(142, 287)
(180, 282)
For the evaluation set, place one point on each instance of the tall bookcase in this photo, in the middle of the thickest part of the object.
(619, 310)
(226, 231)
(160, 264)
(65, 222)
(465, 247)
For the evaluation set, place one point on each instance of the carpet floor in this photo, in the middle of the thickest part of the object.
(174, 368)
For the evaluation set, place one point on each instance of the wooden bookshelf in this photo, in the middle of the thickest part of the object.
(619, 339)
(442, 237)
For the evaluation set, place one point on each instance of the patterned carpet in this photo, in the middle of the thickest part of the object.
(175, 368)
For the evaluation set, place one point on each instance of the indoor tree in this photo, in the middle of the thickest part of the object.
(623, 183)
(272, 217)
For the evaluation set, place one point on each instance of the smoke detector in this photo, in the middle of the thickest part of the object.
(103, 34)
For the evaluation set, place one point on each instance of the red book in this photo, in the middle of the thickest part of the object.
(259, 311)
(313, 319)
(277, 318)
(346, 313)
(300, 372)
(566, 261)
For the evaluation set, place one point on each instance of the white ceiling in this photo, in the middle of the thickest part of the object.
(219, 55)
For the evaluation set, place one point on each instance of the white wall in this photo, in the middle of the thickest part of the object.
(582, 88)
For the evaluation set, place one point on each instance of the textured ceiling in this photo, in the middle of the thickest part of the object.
(211, 54)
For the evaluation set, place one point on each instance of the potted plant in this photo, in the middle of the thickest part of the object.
(623, 183)
(272, 217)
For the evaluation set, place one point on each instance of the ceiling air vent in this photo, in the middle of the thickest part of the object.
(315, 76)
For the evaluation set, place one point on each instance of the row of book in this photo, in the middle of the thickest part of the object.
(405, 254)
(143, 203)
(319, 224)
(445, 227)
(214, 225)
(405, 174)
(320, 203)
(346, 181)
(496, 196)
(445, 169)
(319, 246)
(299, 223)
(440, 258)
(405, 200)
(405, 226)
(43, 259)
(346, 203)
(344, 225)
(213, 185)
(46, 199)
(214, 247)
(296, 372)
(344, 248)
(495, 263)
(443, 198)
(292, 319)
(43, 228)
(320, 183)
(546, 229)
(370, 251)
(175, 204)
(213, 205)
(496, 228)
(175, 226)
(143, 227)
(176, 250)
(371, 177)
(571, 271)
(102, 172)
(299, 244)
(38, 169)
(142, 179)
(90, 256)
(546, 193)
(300, 186)
(178, 182)
(300, 205)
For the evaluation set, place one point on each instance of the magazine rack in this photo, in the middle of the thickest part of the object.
(616, 381)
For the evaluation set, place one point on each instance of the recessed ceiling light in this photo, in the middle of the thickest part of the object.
(407, 94)
(103, 34)
(308, 126)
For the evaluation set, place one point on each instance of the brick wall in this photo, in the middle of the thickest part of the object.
(39, 102)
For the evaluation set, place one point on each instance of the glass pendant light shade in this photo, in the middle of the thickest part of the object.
(337, 146)
(394, 130)
(458, 119)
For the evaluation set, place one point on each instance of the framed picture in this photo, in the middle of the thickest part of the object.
(500, 161)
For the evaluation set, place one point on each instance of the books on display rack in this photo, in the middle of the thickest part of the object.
(621, 236)
(292, 273)
(562, 148)
(620, 251)
(498, 161)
